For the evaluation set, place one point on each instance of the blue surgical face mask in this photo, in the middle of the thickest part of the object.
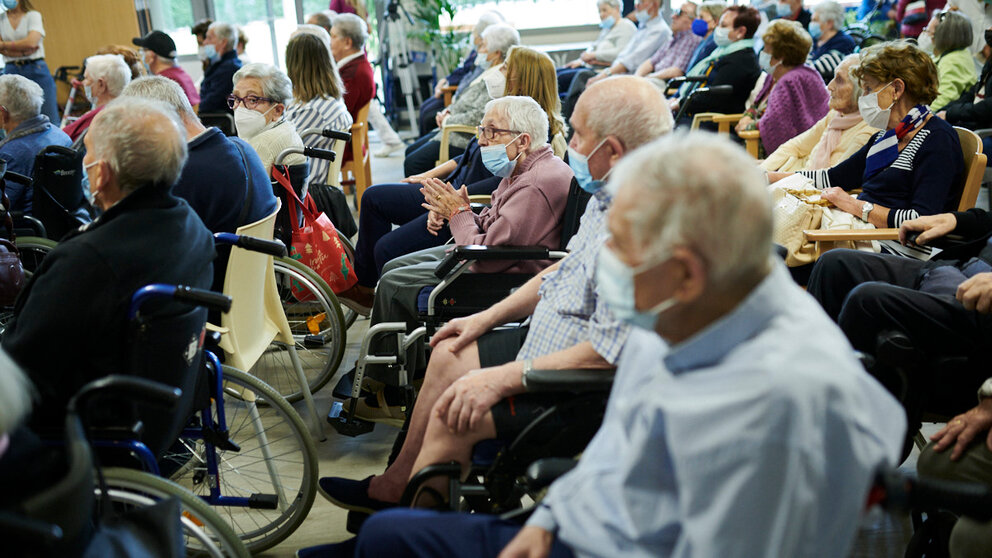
(783, 10)
(483, 62)
(615, 283)
(721, 36)
(643, 16)
(495, 159)
(814, 30)
(9, 4)
(580, 168)
(88, 92)
(765, 62)
(699, 27)
(607, 23)
(209, 52)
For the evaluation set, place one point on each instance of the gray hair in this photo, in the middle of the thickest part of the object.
(275, 83)
(522, 114)
(316, 31)
(953, 32)
(112, 68)
(689, 179)
(853, 60)
(485, 20)
(142, 140)
(615, 4)
(16, 392)
(500, 37)
(831, 11)
(20, 96)
(352, 28)
(629, 108)
(162, 89)
(323, 20)
(225, 32)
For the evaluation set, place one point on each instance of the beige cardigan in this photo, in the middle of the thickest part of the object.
(794, 154)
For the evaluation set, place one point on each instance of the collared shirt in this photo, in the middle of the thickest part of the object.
(569, 311)
(677, 52)
(349, 58)
(648, 38)
(758, 436)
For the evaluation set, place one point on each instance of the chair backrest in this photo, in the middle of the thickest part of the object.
(249, 331)
(974, 167)
(58, 190)
(575, 206)
(222, 120)
(334, 167)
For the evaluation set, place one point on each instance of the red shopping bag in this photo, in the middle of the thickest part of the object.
(316, 244)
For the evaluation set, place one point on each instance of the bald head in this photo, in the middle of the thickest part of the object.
(629, 108)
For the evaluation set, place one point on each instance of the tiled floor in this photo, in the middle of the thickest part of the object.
(881, 536)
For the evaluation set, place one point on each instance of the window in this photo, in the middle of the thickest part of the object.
(528, 14)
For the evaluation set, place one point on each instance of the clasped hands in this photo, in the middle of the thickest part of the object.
(441, 200)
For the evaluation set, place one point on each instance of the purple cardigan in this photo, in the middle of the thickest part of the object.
(797, 101)
(527, 209)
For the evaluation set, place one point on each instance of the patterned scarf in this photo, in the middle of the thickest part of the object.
(885, 150)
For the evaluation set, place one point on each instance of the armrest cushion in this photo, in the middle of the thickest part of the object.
(849, 235)
(570, 380)
(543, 472)
(478, 252)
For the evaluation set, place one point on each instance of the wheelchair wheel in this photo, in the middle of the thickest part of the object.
(318, 328)
(276, 458)
(206, 533)
(33, 249)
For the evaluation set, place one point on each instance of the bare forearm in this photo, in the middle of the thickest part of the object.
(442, 170)
(581, 356)
(32, 40)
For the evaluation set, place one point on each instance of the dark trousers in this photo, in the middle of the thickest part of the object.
(421, 155)
(408, 532)
(428, 114)
(565, 77)
(575, 90)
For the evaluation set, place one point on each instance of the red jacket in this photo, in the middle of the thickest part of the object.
(359, 84)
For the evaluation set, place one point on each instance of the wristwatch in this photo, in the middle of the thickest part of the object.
(865, 210)
(985, 391)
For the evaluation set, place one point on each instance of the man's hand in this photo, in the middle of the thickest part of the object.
(962, 429)
(530, 542)
(466, 401)
(434, 223)
(976, 293)
(932, 226)
(587, 57)
(464, 330)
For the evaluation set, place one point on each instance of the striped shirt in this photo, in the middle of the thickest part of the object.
(569, 311)
(321, 112)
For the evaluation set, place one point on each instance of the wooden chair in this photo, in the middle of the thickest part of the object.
(449, 93)
(358, 171)
(724, 122)
(334, 170)
(974, 170)
(446, 132)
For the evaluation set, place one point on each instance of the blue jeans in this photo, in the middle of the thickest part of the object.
(37, 71)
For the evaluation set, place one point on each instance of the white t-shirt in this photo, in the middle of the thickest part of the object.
(31, 21)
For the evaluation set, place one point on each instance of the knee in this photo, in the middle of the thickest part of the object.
(935, 464)
(386, 533)
(444, 365)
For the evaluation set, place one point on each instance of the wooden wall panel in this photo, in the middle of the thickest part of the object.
(74, 29)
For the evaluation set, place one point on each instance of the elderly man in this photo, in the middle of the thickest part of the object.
(220, 49)
(159, 54)
(571, 326)
(322, 19)
(28, 132)
(105, 76)
(730, 430)
(135, 151)
(672, 59)
(223, 180)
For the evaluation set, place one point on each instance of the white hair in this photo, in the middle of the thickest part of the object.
(275, 83)
(142, 140)
(163, 89)
(21, 97)
(831, 11)
(485, 20)
(352, 28)
(853, 60)
(314, 30)
(611, 3)
(112, 68)
(16, 393)
(521, 114)
(701, 191)
(629, 108)
(500, 37)
(225, 32)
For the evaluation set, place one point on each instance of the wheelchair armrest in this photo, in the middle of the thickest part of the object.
(478, 252)
(586, 379)
(984, 132)
(543, 472)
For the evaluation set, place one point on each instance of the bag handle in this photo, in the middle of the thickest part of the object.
(292, 199)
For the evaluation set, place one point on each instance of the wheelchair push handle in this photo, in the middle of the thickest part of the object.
(963, 498)
(125, 387)
(182, 293)
(318, 153)
(686, 79)
(330, 133)
(269, 247)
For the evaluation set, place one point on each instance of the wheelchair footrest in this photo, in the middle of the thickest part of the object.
(263, 502)
(345, 424)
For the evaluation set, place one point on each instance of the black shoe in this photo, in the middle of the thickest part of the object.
(351, 494)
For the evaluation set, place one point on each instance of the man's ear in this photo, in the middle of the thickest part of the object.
(695, 277)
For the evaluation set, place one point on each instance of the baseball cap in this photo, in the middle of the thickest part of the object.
(157, 42)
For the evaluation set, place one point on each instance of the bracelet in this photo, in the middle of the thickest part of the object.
(458, 210)
(528, 366)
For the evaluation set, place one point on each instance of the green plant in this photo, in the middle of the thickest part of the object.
(448, 45)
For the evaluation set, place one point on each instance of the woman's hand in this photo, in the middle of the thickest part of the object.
(587, 57)
(439, 119)
(440, 197)
(842, 200)
(434, 223)
(742, 124)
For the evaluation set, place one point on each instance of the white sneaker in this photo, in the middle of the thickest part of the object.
(388, 150)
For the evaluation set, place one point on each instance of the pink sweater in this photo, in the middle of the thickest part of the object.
(527, 210)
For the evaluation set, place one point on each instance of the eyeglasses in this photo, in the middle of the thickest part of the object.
(249, 101)
(489, 132)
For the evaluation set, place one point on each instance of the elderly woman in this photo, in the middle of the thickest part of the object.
(793, 96)
(105, 76)
(317, 91)
(468, 109)
(834, 138)
(973, 109)
(831, 43)
(706, 21)
(615, 32)
(951, 51)
(259, 99)
(28, 132)
(915, 166)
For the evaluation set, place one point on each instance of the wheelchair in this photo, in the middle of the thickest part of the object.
(70, 514)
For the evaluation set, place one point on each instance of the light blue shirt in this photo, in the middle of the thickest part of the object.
(648, 38)
(757, 437)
